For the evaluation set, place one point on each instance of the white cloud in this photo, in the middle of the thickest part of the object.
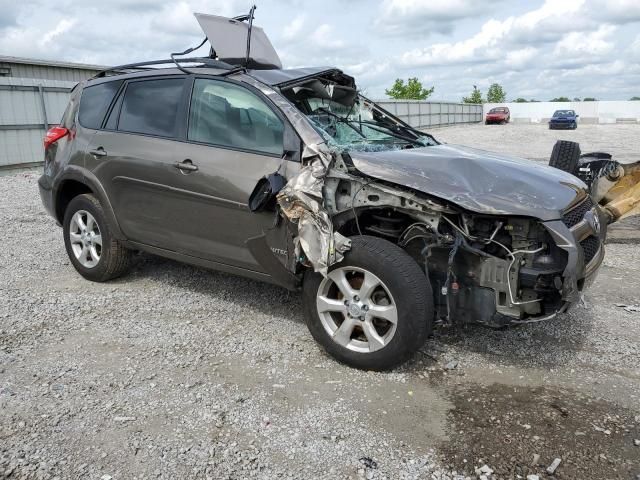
(576, 44)
(62, 27)
(399, 17)
(293, 30)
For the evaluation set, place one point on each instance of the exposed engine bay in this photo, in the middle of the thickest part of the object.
(493, 259)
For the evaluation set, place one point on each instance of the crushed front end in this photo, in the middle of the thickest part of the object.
(501, 271)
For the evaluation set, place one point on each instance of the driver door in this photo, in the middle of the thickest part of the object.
(234, 137)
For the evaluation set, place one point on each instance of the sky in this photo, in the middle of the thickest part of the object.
(534, 49)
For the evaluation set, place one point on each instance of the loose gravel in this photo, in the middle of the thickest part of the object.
(179, 372)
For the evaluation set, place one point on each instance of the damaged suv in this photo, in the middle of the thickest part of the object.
(293, 177)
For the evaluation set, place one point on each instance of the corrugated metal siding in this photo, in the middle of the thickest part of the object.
(22, 125)
(21, 70)
(421, 114)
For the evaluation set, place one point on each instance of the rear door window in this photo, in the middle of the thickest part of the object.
(95, 101)
(229, 115)
(151, 107)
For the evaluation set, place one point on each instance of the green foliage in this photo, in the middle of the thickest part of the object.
(412, 90)
(496, 94)
(589, 99)
(560, 99)
(475, 97)
(634, 99)
(521, 100)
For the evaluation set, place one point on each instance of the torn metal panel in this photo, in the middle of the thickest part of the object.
(301, 199)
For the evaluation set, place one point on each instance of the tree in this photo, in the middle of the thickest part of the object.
(521, 100)
(475, 97)
(634, 99)
(589, 99)
(576, 99)
(496, 94)
(560, 99)
(412, 90)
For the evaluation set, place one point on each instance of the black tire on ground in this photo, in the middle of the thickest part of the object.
(411, 292)
(486, 122)
(115, 259)
(565, 156)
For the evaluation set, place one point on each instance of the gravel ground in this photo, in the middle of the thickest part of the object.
(178, 372)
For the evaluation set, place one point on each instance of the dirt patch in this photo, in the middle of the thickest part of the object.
(521, 430)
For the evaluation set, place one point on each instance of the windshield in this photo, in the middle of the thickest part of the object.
(349, 122)
(563, 113)
(498, 110)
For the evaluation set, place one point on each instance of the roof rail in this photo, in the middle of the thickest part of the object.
(208, 62)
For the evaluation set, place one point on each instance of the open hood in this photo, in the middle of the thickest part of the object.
(476, 180)
(228, 37)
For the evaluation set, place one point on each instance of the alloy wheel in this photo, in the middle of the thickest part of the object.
(85, 238)
(357, 309)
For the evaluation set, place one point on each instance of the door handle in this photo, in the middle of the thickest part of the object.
(98, 152)
(186, 166)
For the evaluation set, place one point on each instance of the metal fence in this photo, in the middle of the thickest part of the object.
(421, 114)
(27, 108)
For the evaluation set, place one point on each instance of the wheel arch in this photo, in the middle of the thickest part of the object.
(76, 182)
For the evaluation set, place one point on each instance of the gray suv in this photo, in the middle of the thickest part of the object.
(293, 177)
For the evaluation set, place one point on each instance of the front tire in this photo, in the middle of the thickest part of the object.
(91, 247)
(374, 309)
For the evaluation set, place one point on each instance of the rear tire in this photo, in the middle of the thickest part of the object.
(402, 293)
(565, 156)
(91, 247)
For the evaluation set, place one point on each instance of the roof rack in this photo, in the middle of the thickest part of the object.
(207, 62)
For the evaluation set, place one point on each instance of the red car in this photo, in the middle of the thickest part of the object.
(498, 115)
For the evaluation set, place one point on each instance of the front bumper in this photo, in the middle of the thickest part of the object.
(560, 125)
(514, 291)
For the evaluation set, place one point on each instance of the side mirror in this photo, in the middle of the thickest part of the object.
(577, 116)
(264, 194)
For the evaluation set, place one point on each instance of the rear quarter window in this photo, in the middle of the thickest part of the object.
(94, 103)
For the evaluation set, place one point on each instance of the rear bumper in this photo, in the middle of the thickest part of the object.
(46, 195)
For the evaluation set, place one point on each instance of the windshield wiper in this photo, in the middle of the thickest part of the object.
(373, 125)
(341, 119)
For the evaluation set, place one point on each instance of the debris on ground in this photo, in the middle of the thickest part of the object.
(629, 308)
(369, 462)
(453, 364)
(552, 468)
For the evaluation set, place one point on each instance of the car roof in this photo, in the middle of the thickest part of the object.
(272, 77)
(279, 77)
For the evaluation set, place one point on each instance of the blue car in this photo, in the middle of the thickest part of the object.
(564, 119)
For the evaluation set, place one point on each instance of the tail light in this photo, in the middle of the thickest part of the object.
(54, 134)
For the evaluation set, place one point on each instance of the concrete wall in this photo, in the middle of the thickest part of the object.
(27, 108)
(590, 112)
(420, 114)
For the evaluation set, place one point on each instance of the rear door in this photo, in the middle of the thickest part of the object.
(134, 157)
